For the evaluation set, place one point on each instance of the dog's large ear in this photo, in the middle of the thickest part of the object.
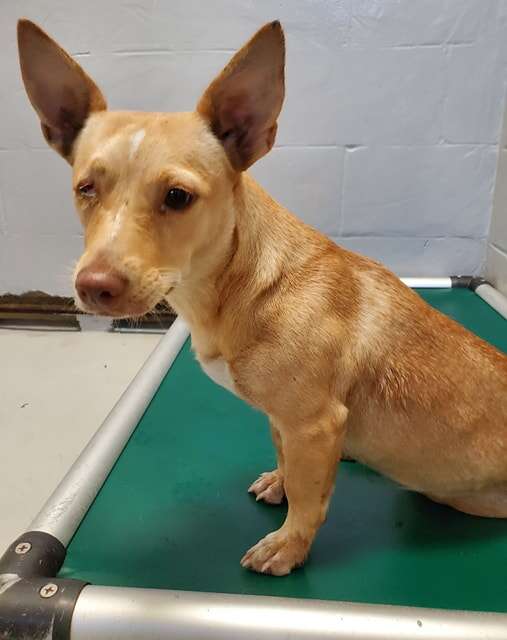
(242, 104)
(60, 91)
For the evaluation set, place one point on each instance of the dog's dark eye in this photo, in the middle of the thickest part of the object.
(177, 199)
(87, 189)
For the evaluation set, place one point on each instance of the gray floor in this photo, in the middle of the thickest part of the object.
(56, 387)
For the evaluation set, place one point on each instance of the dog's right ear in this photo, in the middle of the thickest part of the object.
(243, 103)
(61, 93)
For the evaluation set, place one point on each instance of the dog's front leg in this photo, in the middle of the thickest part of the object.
(269, 486)
(311, 451)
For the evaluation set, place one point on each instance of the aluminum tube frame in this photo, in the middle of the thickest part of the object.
(116, 613)
(62, 513)
(428, 283)
(493, 297)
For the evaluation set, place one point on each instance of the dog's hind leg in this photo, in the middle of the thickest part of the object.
(488, 503)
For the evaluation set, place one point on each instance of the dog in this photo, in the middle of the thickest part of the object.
(341, 356)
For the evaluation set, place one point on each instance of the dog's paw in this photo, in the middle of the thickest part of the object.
(268, 487)
(276, 554)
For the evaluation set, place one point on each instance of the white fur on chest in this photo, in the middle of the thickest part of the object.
(218, 370)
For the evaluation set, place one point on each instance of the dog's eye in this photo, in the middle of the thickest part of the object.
(177, 199)
(87, 190)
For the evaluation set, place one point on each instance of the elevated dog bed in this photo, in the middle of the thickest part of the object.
(174, 515)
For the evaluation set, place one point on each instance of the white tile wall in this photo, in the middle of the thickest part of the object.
(39, 262)
(473, 104)
(390, 96)
(387, 141)
(418, 190)
(391, 23)
(413, 256)
(315, 175)
(38, 201)
(496, 264)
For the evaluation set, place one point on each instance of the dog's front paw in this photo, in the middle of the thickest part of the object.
(278, 553)
(269, 487)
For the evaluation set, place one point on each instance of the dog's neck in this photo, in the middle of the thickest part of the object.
(257, 248)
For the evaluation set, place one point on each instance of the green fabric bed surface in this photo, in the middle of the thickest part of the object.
(175, 512)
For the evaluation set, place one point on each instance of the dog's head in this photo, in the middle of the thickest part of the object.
(154, 191)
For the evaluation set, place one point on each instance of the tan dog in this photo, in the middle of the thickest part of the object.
(340, 355)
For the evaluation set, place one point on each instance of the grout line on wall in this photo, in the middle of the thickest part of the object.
(17, 149)
(422, 45)
(351, 147)
(342, 194)
(162, 51)
(445, 96)
(348, 28)
(3, 230)
(463, 44)
(308, 146)
(23, 235)
(446, 143)
(412, 237)
(408, 47)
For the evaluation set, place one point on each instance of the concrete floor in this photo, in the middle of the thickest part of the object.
(56, 387)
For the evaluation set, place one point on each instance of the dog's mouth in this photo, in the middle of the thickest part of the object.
(122, 308)
(117, 312)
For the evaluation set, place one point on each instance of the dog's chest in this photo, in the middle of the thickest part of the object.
(218, 370)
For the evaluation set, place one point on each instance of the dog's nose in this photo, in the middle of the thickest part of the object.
(100, 288)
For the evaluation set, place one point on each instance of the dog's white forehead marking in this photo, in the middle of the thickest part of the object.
(135, 142)
(116, 222)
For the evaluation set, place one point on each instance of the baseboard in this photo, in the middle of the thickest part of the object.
(39, 310)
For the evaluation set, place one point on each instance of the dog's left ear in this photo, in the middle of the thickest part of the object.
(61, 93)
(242, 104)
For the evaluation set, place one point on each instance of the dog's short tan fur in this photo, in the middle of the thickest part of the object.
(340, 355)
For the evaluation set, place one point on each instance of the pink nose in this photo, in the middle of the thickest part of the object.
(100, 288)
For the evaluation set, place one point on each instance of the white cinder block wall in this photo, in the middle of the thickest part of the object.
(496, 266)
(388, 140)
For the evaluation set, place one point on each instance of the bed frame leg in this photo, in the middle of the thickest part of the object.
(33, 602)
